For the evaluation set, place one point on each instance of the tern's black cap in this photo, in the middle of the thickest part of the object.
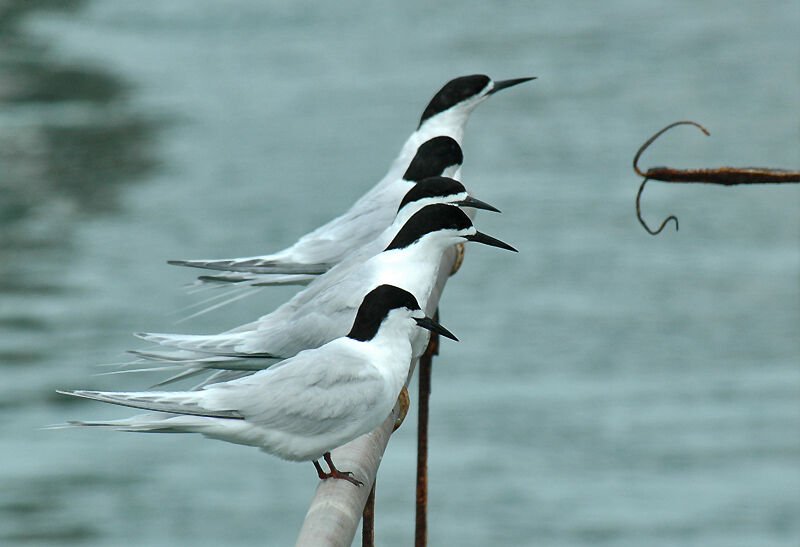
(453, 92)
(432, 187)
(376, 306)
(433, 157)
(429, 219)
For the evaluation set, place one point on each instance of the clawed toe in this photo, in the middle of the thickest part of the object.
(335, 473)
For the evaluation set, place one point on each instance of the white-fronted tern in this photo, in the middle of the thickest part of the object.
(323, 310)
(445, 116)
(305, 406)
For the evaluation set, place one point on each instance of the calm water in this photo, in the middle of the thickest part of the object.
(611, 388)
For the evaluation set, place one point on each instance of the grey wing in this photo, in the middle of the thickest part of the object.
(315, 316)
(258, 264)
(174, 402)
(323, 311)
(309, 394)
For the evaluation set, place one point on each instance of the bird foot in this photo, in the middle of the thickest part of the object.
(404, 401)
(335, 473)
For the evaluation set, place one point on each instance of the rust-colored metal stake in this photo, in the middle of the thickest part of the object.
(726, 176)
(368, 520)
(424, 374)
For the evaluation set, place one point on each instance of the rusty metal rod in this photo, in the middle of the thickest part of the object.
(726, 176)
(424, 374)
(368, 520)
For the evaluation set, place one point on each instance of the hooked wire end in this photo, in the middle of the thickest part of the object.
(639, 213)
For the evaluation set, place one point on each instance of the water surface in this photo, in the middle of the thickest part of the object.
(611, 388)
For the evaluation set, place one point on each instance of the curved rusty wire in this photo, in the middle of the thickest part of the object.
(726, 176)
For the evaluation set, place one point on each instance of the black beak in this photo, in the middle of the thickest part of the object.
(508, 83)
(433, 326)
(489, 240)
(470, 201)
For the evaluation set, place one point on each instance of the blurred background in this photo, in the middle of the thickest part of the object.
(610, 387)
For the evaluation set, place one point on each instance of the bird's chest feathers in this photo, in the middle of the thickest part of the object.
(391, 360)
(410, 268)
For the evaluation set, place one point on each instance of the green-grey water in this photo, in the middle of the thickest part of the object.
(610, 388)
